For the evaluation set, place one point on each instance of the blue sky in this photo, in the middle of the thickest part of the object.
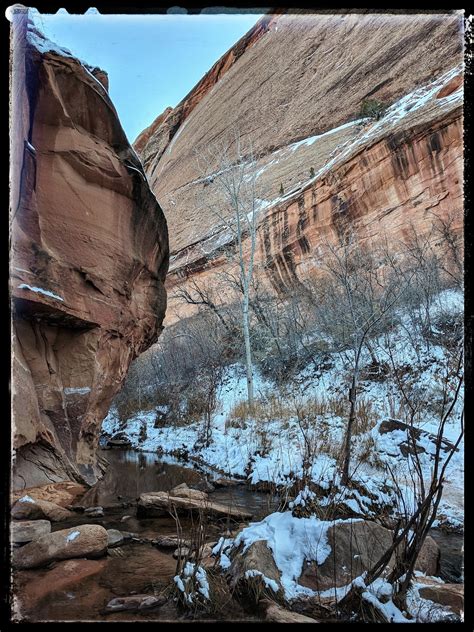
(152, 60)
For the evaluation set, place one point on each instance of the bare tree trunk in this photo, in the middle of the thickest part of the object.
(352, 416)
(248, 351)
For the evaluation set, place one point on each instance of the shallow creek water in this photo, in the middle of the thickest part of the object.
(140, 567)
(134, 567)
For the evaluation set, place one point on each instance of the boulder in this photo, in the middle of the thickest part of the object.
(156, 504)
(23, 531)
(449, 595)
(254, 571)
(276, 614)
(428, 561)
(135, 603)
(27, 508)
(114, 538)
(356, 545)
(183, 491)
(88, 540)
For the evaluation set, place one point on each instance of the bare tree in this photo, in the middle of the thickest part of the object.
(417, 519)
(236, 209)
(353, 302)
(200, 294)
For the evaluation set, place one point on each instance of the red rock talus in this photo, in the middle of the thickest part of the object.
(89, 256)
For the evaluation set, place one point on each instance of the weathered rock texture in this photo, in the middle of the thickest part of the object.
(89, 257)
(87, 540)
(294, 89)
(355, 547)
(157, 504)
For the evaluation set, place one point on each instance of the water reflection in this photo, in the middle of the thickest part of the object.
(131, 473)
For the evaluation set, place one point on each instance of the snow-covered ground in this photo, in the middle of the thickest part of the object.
(294, 541)
(273, 449)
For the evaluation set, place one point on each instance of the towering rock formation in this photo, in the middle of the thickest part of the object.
(89, 256)
(294, 86)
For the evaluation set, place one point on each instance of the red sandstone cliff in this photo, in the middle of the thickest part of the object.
(296, 94)
(89, 256)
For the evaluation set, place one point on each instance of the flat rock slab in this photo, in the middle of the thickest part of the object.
(28, 508)
(154, 504)
(62, 494)
(23, 531)
(87, 540)
(135, 603)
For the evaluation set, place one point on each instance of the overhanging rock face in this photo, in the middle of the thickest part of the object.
(89, 257)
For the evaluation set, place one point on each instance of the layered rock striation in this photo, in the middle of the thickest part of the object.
(89, 256)
(295, 96)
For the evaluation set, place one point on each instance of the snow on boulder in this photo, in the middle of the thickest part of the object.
(87, 540)
(27, 508)
(408, 439)
(253, 571)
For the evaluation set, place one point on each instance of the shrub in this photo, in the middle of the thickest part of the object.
(373, 109)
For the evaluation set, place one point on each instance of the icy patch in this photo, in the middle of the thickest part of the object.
(39, 290)
(77, 390)
(312, 139)
(72, 536)
(26, 499)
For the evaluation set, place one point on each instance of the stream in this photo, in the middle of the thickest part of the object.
(138, 566)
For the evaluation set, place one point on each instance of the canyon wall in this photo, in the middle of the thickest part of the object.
(88, 259)
(294, 95)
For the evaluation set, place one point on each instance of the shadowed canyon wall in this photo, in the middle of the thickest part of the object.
(89, 256)
(294, 91)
